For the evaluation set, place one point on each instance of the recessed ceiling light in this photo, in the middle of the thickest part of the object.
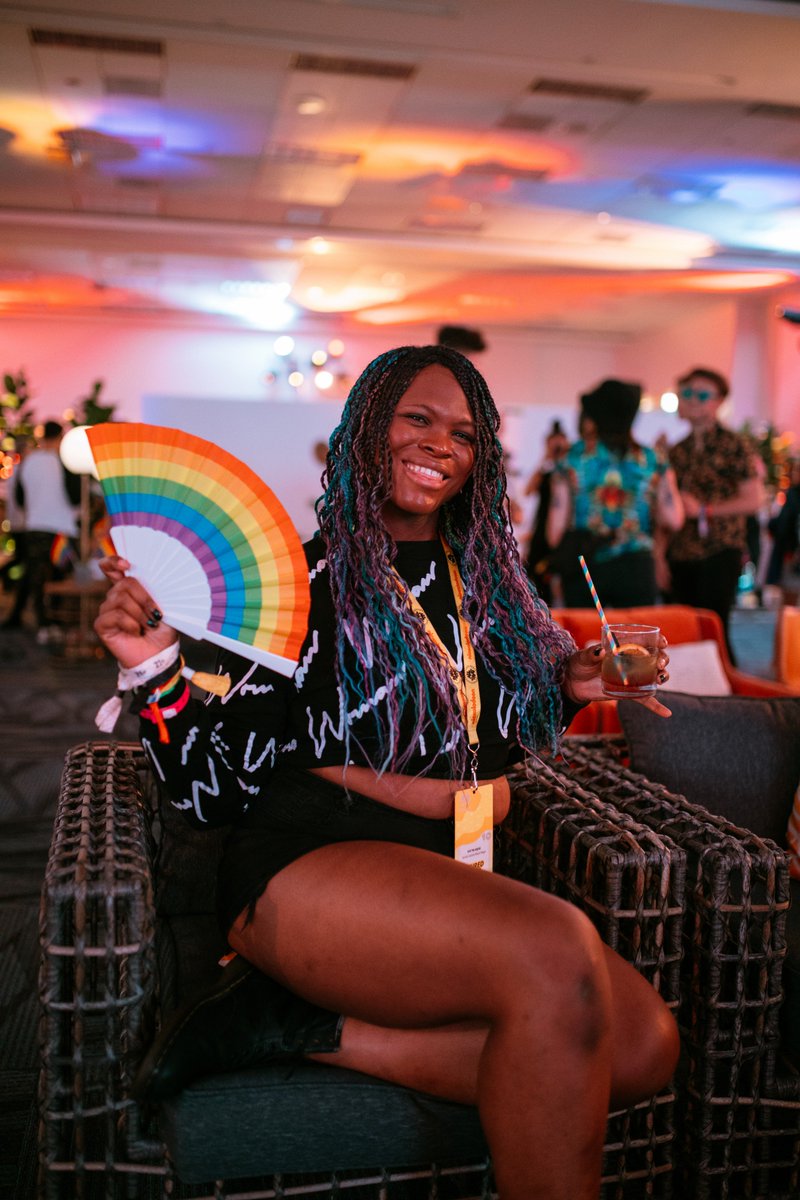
(311, 106)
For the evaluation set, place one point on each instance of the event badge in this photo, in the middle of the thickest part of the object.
(474, 820)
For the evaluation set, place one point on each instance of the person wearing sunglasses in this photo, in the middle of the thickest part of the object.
(720, 486)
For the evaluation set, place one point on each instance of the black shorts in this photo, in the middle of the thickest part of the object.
(301, 813)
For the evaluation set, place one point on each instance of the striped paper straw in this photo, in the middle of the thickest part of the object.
(603, 620)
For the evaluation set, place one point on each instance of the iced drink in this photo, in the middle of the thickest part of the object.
(631, 660)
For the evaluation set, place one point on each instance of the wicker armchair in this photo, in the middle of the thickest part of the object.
(739, 1096)
(114, 945)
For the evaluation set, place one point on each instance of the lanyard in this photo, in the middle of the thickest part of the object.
(466, 684)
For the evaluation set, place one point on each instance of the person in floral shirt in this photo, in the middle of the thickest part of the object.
(720, 486)
(610, 499)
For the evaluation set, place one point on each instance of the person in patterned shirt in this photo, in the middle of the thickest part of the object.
(430, 664)
(609, 498)
(720, 486)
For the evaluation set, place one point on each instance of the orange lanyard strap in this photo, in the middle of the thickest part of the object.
(466, 683)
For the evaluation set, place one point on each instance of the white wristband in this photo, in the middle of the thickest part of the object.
(133, 677)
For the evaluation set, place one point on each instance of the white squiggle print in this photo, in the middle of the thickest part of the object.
(314, 571)
(420, 588)
(373, 701)
(327, 723)
(458, 657)
(505, 706)
(210, 789)
(255, 689)
(364, 648)
(302, 669)
(253, 764)
(252, 789)
(152, 755)
(222, 748)
(369, 657)
(189, 741)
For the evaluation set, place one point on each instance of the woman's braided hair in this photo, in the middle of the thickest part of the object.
(391, 656)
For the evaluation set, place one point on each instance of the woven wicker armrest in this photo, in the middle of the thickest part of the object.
(97, 928)
(741, 1102)
(630, 881)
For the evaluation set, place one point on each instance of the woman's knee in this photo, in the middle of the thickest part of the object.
(658, 1047)
(559, 959)
(646, 1039)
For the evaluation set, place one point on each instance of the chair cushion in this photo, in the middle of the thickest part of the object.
(790, 1009)
(321, 1118)
(738, 756)
(696, 668)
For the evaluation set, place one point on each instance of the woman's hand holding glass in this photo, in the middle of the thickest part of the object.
(583, 683)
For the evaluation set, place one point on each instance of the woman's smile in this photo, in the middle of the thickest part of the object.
(425, 474)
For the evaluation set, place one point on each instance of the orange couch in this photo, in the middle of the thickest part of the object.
(679, 624)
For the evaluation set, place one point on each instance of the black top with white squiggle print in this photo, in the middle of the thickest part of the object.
(222, 751)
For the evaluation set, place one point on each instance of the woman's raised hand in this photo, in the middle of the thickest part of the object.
(582, 681)
(129, 623)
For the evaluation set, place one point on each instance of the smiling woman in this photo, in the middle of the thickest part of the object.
(358, 791)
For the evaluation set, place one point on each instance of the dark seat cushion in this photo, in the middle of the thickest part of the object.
(309, 1117)
(790, 1011)
(738, 756)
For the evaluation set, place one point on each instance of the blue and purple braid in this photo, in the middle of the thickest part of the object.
(511, 627)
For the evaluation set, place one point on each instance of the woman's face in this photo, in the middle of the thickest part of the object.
(432, 445)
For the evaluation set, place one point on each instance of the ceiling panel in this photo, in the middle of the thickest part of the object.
(431, 141)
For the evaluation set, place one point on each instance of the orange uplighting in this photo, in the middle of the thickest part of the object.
(414, 151)
(58, 292)
(736, 281)
(533, 295)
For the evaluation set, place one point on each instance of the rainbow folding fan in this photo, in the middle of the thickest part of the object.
(207, 538)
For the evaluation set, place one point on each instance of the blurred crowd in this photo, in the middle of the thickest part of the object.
(55, 532)
(688, 523)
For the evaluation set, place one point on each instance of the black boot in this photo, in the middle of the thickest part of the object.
(244, 1018)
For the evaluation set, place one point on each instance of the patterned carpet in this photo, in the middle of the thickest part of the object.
(47, 704)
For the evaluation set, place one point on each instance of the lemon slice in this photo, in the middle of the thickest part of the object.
(633, 648)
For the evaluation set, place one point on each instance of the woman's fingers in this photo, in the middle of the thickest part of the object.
(130, 625)
(114, 567)
(130, 598)
(653, 704)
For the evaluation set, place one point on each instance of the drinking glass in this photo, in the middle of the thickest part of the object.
(630, 664)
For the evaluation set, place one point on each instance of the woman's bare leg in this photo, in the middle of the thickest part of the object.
(403, 939)
(644, 1043)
